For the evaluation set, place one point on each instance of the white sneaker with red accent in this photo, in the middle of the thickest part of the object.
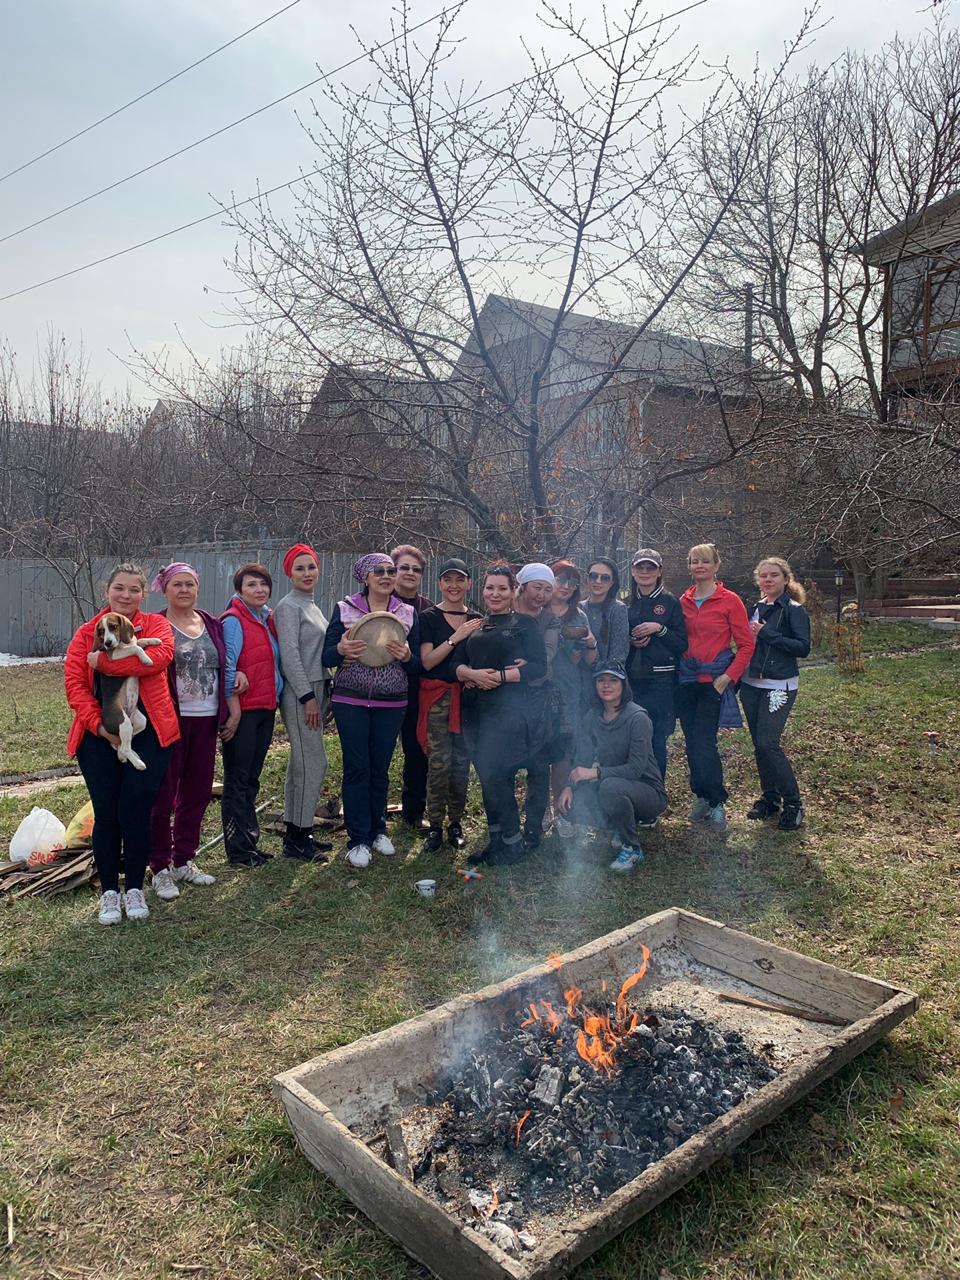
(163, 885)
(109, 907)
(135, 905)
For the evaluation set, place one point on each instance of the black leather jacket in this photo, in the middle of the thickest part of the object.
(783, 638)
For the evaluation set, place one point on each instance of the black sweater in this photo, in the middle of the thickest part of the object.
(658, 659)
(501, 640)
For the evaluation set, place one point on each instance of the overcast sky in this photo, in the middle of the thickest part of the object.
(65, 64)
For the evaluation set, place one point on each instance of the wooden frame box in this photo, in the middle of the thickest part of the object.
(358, 1086)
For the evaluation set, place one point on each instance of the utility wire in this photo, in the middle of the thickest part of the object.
(217, 132)
(303, 177)
(146, 94)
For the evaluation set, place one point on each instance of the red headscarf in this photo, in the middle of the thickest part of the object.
(298, 549)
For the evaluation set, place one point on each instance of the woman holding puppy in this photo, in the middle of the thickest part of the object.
(122, 796)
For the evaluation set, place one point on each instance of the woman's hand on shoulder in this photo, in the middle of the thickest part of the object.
(467, 628)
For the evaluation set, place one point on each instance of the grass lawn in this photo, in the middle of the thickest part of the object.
(139, 1137)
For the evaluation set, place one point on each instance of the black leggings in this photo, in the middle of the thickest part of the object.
(777, 779)
(122, 798)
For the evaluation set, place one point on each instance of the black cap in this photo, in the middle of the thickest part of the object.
(647, 555)
(610, 669)
(454, 566)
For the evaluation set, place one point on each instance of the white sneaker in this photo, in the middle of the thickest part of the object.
(109, 907)
(616, 843)
(359, 856)
(190, 873)
(385, 846)
(626, 860)
(163, 885)
(135, 905)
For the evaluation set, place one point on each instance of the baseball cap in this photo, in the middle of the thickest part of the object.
(647, 553)
(454, 566)
(610, 669)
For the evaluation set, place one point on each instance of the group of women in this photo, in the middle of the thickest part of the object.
(555, 676)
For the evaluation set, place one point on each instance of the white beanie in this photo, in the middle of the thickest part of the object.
(536, 572)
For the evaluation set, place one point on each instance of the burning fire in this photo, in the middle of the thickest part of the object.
(520, 1123)
(600, 1034)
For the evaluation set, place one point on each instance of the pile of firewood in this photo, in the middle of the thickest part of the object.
(72, 868)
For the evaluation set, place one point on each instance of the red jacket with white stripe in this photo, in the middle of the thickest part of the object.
(719, 623)
(154, 689)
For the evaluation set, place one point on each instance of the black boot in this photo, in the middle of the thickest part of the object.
(509, 854)
(532, 838)
(792, 817)
(455, 835)
(763, 809)
(298, 843)
(489, 854)
(434, 840)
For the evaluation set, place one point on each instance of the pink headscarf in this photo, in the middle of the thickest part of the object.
(169, 572)
(368, 562)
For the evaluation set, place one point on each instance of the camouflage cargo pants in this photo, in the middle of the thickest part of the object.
(448, 766)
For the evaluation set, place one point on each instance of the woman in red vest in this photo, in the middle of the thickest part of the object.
(253, 671)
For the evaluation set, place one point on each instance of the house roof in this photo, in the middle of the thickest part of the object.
(934, 227)
(595, 343)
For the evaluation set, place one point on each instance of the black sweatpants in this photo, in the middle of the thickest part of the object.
(243, 759)
(777, 779)
(413, 796)
(698, 706)
(656, 698)
(122, 798)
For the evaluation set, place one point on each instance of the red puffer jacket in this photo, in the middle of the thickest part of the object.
(154, 692)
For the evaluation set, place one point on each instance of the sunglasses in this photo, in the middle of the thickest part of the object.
(600, 577)
(409, 568)
(565, 581)
(383, 571)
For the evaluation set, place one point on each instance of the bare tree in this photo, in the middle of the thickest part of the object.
(448, 406)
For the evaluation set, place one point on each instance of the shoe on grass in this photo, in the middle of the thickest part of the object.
(626, 860)
(717, 817)
(792, 817)
(164, 885)
(109, 912)
(384, 846)
(190, 873)
(455, 835)
(359, 855)
(701, 810)
(434, 840)
(762, 810)
(135, 905)
(563, 827)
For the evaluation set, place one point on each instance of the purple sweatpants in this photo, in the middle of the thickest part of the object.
(185, 794)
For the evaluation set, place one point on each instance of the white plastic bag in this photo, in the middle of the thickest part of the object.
(40, 832)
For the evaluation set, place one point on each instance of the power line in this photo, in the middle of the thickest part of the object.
(217, 132)
(146, 94)
(303, 177)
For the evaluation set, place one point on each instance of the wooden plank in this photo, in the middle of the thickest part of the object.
(419, 1224)
(781, 972)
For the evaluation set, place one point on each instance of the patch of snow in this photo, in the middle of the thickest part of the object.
(12, 660)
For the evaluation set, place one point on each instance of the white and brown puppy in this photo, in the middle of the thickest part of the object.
(114, 635)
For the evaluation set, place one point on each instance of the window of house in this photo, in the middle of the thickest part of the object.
(924, 311)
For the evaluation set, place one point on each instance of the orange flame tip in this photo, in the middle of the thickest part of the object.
(520, 1123)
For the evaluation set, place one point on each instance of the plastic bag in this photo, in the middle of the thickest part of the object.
(40, 832)
(80, 828)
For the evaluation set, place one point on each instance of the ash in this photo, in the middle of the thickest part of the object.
(527, 1129)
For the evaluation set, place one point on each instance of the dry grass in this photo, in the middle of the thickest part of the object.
(139, 1135)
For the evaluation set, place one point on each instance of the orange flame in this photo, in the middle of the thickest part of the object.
(534, 1016)
(555, 960)
(554, 1020)
(573, 996)
(520, 1123)
(493, 1203)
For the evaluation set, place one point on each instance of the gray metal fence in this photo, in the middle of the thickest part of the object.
(39, 611)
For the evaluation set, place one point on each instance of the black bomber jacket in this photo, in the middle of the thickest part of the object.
(658, 659)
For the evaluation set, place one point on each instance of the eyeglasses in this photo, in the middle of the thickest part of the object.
(600, 577)
(564, 581)
(384, 571)
(409, 568)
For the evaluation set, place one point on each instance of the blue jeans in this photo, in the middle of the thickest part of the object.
(368, 736)
(656, 698)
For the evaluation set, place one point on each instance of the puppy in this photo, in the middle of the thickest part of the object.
(114, 635)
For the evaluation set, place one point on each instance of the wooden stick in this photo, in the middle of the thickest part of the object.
(397, 1153)
(791, 1010)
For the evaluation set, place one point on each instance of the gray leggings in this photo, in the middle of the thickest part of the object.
(307, 765)
(616, 803)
